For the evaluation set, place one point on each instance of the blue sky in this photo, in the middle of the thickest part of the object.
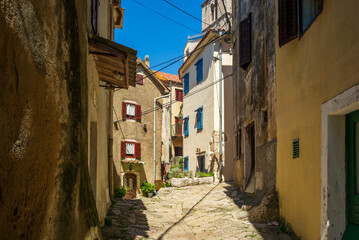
(153, 35)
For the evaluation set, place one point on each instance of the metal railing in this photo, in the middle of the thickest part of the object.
(176, 130)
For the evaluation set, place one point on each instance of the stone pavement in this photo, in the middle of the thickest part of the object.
(210, 211)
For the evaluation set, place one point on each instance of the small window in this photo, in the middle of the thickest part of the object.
(139, 79)
(131, 111)
(186, 83)
(296, 148)
(185, 126)
(179, 95)
(245, 42)
(199, 119)
(309, 10)
(130, 150)
(178, 151)
(199, 69)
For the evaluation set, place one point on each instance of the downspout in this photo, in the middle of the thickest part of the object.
(154, 135)
(220, 107)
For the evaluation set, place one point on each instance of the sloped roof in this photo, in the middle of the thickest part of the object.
(152, 75)
(167, 77)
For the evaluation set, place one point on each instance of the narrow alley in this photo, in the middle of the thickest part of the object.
(211, 211)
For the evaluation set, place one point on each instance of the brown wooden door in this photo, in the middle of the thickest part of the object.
(131, 185)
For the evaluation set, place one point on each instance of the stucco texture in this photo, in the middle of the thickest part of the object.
(310, 71)
(45, 190)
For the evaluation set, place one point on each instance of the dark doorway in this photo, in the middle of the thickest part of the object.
(131, 185)
(250, 159)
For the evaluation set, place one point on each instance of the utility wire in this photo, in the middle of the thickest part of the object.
(186, 96)
(170, 19)
(225, 12)
(185, 12)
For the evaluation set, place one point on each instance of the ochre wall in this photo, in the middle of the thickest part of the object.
(322, 64)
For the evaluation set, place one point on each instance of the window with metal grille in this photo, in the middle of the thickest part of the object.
(296, 148)
(245, 42)
(287, 21)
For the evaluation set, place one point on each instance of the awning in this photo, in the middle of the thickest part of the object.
(132, 161)
(115, 63)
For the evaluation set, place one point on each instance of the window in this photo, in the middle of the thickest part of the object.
(131, 111)
(185, 164)
(309, 10)
(130, 150)
(139, 79)
(199, 118)
(94, 16)
(245, 42)
(179, 95)
(185, 126)
(288, 12)
(178, 151)
(238, 143)
(287, 21)
(202, 163)
(186, 83)
(199, 69)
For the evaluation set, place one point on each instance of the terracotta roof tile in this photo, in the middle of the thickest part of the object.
(167, 77)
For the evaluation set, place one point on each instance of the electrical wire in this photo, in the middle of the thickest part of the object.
(186, 96)
(225, 12)
(170, 19)
(185, 12)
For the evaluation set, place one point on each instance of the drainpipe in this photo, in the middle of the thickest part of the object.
(110, 143)
(220, 107)
(154, 135)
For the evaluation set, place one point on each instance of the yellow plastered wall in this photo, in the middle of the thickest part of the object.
(310, 71)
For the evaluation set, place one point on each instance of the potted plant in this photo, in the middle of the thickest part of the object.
(148, 188)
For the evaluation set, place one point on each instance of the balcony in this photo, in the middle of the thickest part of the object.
(176, 130)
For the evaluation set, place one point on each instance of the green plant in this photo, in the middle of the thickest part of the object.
(180, 162)
(147, 187)
(108, 221)
(201, 174)
(167, 184)
(120, 192)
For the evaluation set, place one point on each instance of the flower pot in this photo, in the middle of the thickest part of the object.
(150, 194)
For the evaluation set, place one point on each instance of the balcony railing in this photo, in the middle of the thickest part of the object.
(176, 130)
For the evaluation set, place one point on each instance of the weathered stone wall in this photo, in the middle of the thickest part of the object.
(45, 190)
(255, 91)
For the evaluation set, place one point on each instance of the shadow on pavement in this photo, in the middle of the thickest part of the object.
(128, 220)
(269, 230)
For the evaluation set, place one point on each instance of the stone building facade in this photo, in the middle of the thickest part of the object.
(47, 106)
(134, 133)
(254, 96)
(214, 14)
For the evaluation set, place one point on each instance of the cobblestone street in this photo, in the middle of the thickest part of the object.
(197, 212)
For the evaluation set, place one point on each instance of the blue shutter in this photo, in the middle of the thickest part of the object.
(186, 83)
(199, 118)
(199, 68)
(186, 163)
(185, 126)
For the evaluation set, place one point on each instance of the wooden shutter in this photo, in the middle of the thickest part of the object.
(138, 112)
(287, 21)
(123, 149)
(138, 150)
(123, 109)
(139, 79)
(245, 42)
(94, 16)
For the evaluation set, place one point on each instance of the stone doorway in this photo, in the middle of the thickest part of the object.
(131, 184)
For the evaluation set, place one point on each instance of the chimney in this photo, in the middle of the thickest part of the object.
(147, 60)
